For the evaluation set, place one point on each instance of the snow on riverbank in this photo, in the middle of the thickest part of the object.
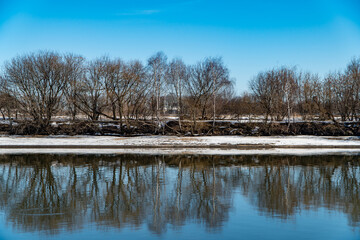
(173, 141)
(220, 145)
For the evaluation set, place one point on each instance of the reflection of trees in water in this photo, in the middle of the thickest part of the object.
(281, 188)
(49, 192)
(52, 192)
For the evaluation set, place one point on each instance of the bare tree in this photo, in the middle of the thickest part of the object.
(91, 97)
(289, 85)
(114, 86)
(243, 105)
(207, 78)
(177, 76)
(353, 74)
(37, 81)
(261, 89)
(329, 97)
(8, 106)
(219, 75)
(75, 67)
(339, 94)
(267, 89)
(275, 91)
(157, 69)
(309, 95)
(8, 103)
(137, 81)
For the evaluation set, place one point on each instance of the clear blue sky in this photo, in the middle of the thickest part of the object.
(251, 36)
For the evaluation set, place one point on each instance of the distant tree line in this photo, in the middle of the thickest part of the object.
(41, 85)
(286, 93)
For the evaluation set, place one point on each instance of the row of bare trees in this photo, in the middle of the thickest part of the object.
(44, 84)
(286, 93)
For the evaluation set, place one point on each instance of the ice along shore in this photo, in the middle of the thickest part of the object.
(230, 145)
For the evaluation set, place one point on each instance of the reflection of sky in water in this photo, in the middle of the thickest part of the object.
(237, 189)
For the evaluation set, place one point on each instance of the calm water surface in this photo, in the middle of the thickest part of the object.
(179, 197)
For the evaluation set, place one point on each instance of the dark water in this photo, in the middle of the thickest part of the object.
(179, 197)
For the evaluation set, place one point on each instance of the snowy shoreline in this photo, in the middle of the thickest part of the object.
(219, 145)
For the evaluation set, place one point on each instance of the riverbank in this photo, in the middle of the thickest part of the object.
(229, 145)
(172, 128)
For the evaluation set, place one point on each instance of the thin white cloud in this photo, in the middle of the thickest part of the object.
(139, 12)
